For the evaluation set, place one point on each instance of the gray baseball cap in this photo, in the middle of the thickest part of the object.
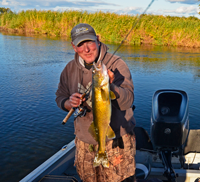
(82, 32)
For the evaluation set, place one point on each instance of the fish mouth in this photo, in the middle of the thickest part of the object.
(97, 66)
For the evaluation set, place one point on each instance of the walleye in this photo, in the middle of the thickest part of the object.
(101, 105)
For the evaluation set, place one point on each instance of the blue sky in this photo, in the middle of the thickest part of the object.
(159, 7)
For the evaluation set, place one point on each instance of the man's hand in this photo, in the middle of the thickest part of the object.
(111, 76)
(74, 101)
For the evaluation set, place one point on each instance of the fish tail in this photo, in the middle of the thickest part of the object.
(101, 158)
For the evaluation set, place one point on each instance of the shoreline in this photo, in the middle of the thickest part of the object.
(20, 32)
(9, 31)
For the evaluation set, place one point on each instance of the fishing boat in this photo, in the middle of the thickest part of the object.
(171, 152)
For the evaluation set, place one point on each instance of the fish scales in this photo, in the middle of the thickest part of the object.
(101, 103)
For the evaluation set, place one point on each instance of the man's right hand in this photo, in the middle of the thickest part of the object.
(74, 101)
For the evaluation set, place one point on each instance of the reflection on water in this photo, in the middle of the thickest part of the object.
(30, 124)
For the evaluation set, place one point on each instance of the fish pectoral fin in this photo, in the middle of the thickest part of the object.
(104, 94)
(112, 95)
(110, 133)
(92, 131)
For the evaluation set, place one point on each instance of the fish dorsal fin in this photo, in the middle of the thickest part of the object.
(110, 133)
(93, 131)
(112, 95)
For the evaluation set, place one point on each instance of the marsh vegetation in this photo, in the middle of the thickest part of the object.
(111, 27)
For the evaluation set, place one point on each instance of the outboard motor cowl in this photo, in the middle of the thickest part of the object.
(170, 119)
(169, 126)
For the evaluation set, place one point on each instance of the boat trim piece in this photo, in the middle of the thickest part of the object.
(44, 166)
(64, 147)
(187, 173)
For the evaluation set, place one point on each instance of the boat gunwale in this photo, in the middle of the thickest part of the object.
(37, 173)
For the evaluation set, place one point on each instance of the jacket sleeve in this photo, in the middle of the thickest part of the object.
(62, 93)
(122, 86)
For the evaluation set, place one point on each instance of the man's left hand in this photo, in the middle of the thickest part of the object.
(111, 76)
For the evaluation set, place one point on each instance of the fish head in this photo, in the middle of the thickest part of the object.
(100, 74)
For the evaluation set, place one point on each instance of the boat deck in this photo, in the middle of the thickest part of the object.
(60, 167)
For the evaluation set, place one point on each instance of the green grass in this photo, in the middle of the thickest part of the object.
(111, 27)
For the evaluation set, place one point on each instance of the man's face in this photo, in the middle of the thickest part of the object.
(88, 50)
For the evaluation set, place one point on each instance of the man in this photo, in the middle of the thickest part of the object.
(75, 79)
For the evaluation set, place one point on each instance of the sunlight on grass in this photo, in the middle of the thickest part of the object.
(152, 29)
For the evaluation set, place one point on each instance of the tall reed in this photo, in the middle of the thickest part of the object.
(111, 27)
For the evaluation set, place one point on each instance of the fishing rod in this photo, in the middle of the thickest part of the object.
(132, 28)
(74, 108)
(84, 94)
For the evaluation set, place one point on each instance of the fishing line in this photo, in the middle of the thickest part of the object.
(132, 28)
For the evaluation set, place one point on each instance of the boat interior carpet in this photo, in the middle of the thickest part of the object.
(193, 142)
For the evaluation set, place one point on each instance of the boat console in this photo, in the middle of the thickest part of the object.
(169, 126)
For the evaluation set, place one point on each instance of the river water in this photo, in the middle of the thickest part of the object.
(30, 67)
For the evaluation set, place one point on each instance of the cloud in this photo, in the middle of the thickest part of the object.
(4, 3)
(130, 11)
(49, 4)
(191, 10)
(103, 5)
(184, 1)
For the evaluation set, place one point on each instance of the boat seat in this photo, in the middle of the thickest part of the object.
(143, 140)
